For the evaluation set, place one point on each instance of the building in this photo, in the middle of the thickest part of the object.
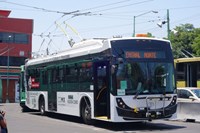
(15, 47)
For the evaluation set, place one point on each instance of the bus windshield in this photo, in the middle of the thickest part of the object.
(144, 78)
(142, 67)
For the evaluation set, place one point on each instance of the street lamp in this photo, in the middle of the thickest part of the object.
(138, 16)
(8, 65)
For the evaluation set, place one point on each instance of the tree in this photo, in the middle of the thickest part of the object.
(182, 40)
(196, 42)
(149, 35)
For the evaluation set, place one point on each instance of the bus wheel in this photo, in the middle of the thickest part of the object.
(42, 107)
(86, 113)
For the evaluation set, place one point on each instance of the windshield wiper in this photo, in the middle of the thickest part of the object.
(139, 90)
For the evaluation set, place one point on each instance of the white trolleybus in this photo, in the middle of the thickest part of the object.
(115, 80)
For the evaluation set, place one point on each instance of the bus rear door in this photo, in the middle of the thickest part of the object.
(52, 88)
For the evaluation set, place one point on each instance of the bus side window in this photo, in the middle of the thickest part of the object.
(85, 77)
(61, 76)
(72, 76)
(44, 77)
(33, 76)
(82, 74)
(65, 72)
(54, 73)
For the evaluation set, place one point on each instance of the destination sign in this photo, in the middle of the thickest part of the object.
(145, 54)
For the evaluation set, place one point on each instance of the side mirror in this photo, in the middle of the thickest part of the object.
(192, 97)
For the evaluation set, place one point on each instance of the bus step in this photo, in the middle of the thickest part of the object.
(102, 117)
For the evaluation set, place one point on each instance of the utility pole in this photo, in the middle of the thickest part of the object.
(133, 26)
(8, 69)
(168, 26)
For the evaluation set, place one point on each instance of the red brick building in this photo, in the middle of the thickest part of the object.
(15, 47)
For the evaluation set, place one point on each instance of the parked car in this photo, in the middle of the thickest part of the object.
(190, 94)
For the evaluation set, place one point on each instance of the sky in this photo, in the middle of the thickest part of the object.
(56, 22)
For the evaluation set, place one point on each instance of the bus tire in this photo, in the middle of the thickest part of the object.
(86, 113)
(42, 106)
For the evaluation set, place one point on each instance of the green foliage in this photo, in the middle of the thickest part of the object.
(185, 40)
(149, 35)
(196, 45)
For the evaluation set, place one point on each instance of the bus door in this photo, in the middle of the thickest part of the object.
(52, 87)
(191, 74)
(101, 89)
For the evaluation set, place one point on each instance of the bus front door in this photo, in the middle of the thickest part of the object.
(101, 89)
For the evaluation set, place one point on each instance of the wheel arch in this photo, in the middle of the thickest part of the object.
(41, 97)
(83, 101)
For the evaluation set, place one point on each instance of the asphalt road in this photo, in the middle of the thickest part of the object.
(32, 122)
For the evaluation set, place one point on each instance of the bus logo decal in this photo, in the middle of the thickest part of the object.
(32, 83)
(70, 97)
(61, 101)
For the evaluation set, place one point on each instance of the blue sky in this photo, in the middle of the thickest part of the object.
(99, 18)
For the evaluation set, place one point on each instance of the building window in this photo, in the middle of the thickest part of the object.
(13, 61)
(17, 38)
(21, 38)
(6, 37)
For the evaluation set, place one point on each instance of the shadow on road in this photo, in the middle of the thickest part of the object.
(60, 117)
(137, 126)
(133, 126)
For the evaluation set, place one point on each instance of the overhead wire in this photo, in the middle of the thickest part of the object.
(42, 9)
(171, 23)
(93, 10)
(135, 3)
(77, 14)
(178, 8)
(153, 28)
(105, 5)
(85, 13)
